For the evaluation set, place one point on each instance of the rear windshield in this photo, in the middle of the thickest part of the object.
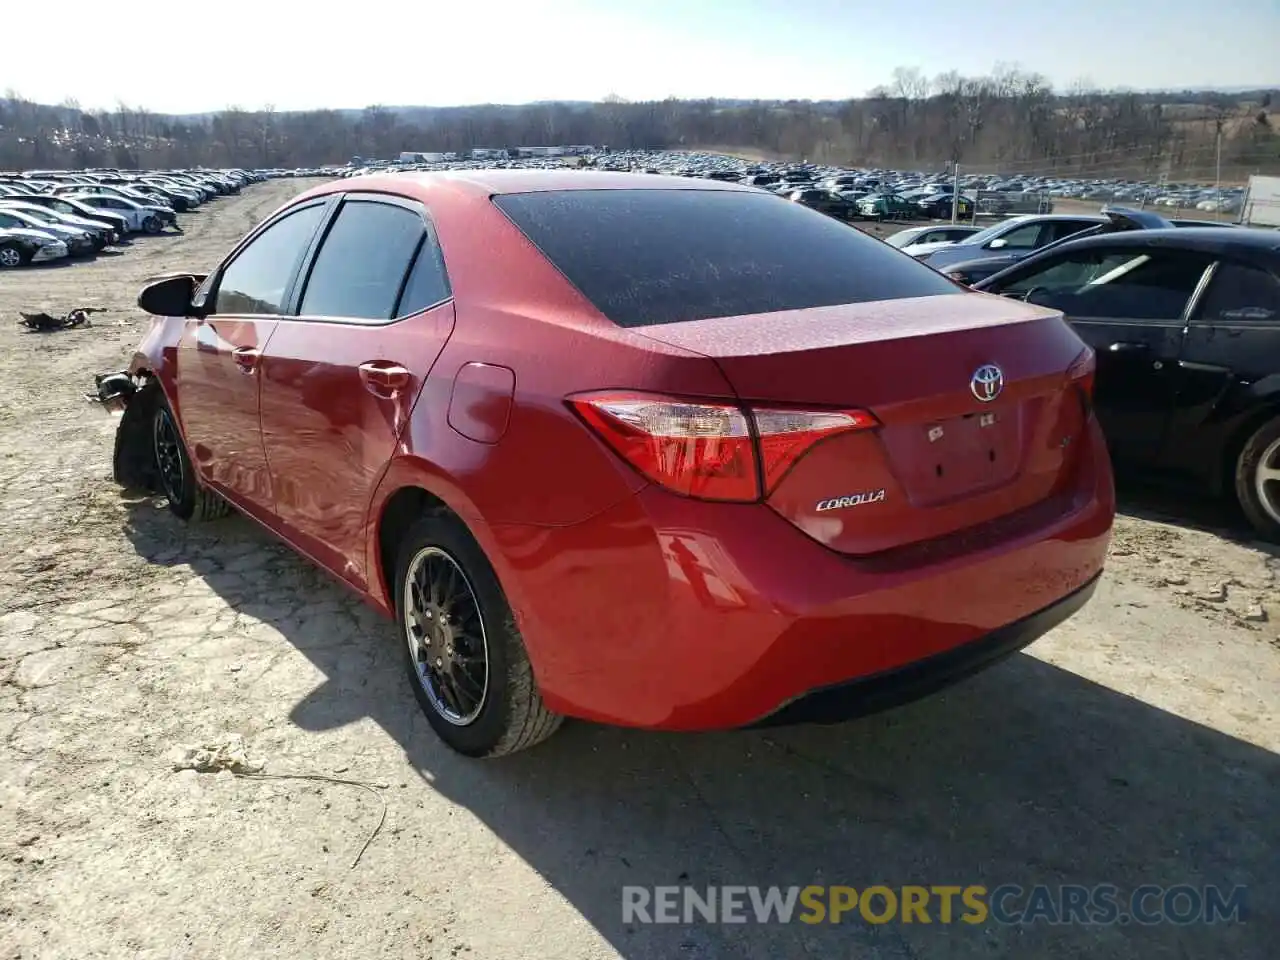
(662, 256)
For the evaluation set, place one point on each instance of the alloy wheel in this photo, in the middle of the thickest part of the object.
(168, 453)
(1266, 480)
(446, 635)
(10, 257)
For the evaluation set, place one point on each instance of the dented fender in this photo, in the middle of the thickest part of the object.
(132, 394)
(153, 359)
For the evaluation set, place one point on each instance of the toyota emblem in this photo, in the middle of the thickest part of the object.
(987, 382)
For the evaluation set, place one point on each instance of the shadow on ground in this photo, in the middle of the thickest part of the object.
(1026, 774)
(1146, 499)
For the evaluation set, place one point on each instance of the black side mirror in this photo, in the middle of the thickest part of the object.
(170, 296)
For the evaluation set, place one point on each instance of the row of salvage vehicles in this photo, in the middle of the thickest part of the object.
(51, 216)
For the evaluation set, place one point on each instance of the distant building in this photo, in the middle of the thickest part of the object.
(410, 156)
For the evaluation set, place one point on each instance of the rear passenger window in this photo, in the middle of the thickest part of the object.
(428, 283)
(1153, 285)
(1240, 294)
(1069, 228)
(1026, 238)
(362, 263)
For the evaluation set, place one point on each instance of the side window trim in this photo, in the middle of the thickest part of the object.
(407, 275)
(298, 283)
(211, 293)
(1191, 312)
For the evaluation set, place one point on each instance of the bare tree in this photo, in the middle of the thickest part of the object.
(1010, 120)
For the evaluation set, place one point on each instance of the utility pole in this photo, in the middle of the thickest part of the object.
(955, 190)
(1217, 175)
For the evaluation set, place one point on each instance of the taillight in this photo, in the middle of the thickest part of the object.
(712, 451)
(1081, 373)
(786, 435)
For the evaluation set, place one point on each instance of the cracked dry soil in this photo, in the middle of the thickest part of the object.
(1135, 744)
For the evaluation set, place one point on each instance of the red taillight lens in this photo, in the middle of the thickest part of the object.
(707, 450)
(785, 435)
(1081, 373)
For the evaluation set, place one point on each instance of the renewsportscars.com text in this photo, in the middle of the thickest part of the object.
(972, 904)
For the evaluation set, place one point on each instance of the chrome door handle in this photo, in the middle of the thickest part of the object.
(246, 358)
(384, 379)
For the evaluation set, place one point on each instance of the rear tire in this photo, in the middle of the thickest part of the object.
(1258, 479)
(189, 499)
(450, 610)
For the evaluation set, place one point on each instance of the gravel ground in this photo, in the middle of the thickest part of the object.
(1135, 744)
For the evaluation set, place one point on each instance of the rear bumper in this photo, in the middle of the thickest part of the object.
(891, 688)
(673, 614)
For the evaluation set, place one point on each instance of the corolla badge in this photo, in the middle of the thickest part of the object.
(850, 500)
(987, 382)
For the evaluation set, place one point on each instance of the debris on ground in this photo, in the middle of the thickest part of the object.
(230, 754)
(44, 322)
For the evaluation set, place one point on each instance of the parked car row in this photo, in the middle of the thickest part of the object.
(51, 215)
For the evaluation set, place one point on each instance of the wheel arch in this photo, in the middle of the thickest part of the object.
(1267, 410)
(411, 486)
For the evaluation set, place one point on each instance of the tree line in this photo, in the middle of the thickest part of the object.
(1010, 121)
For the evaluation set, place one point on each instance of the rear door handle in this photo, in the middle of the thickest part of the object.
(384, 379)
(1129, 346)
(246, 358)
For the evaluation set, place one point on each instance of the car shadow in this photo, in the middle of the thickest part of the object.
(1026, 774)
(1148, 499)
(59, 264)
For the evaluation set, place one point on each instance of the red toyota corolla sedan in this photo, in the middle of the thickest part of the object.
(644, 450)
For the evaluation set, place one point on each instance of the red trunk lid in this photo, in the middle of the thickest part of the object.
(943, 459)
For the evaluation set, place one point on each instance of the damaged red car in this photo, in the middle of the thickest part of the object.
(649, 451)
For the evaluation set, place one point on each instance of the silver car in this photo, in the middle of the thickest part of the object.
(1009, 240)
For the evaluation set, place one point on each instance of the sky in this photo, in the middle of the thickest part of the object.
(173, 58)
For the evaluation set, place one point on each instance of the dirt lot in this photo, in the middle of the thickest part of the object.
(1136, 744)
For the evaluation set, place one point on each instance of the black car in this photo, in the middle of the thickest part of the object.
(824, 201)
(939, 206)
(1185, 325)
(165, 195)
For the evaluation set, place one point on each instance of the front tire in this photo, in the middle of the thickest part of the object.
(152, 225)
(12, 255)
(1258, 479)
(463, 652)
(189, 499)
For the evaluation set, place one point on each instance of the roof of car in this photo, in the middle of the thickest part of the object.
(1206, 239)
(1024, 217)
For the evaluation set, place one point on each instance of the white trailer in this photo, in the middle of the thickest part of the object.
(1261, 206)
